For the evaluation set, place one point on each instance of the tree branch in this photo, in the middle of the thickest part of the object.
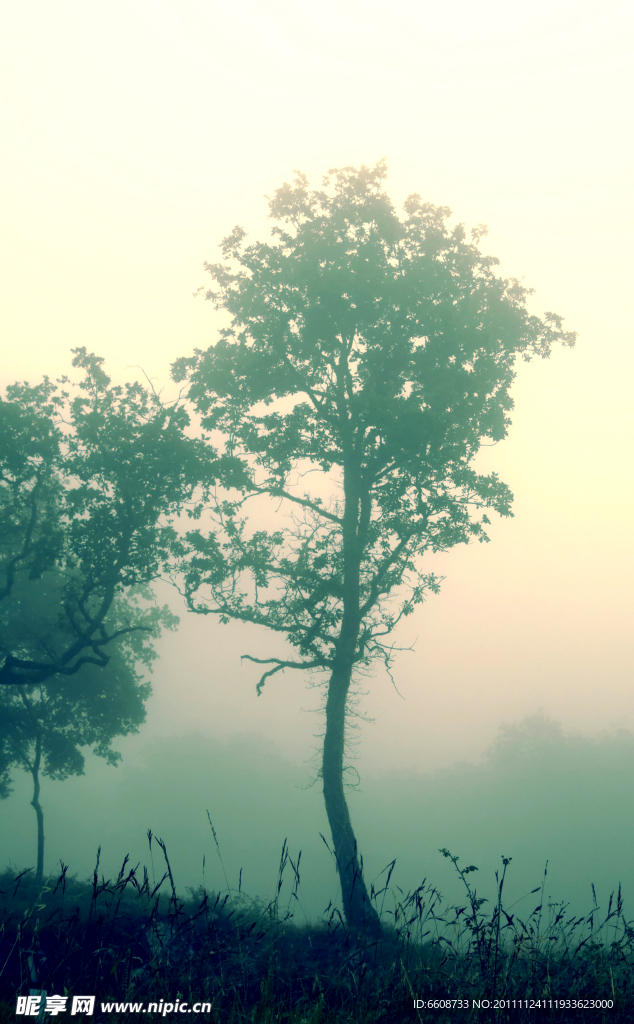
(279, 492)
(45, 670)
(279, 667)
(318, 405)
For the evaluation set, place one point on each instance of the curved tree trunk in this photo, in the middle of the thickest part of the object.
(35, 803)
(359, 912)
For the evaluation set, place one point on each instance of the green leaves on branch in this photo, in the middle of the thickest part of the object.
(91, 478)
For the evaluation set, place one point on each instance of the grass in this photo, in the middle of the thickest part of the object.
(126, 939)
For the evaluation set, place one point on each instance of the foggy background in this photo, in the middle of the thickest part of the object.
(135, 135)
(537, 797)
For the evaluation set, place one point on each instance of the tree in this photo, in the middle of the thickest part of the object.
(90, 479)
(379, 353)
(44, 725)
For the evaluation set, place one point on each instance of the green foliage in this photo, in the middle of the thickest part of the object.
(377, 353)
(90, 479)
(31, 536)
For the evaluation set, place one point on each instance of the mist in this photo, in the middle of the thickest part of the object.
(538, 795)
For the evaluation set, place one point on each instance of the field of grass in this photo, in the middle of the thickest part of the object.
(130, 939)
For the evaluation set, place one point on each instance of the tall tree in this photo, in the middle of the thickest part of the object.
(44, 725)
(377, 352)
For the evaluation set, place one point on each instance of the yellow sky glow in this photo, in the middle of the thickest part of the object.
(136, 134)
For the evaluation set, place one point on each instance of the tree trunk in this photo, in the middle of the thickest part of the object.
(35, 803)
(359, 912)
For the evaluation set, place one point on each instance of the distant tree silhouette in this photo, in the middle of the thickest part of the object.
(379, 353)
(527, 739)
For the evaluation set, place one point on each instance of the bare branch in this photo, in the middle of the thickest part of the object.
(280, 666)
(279, 492)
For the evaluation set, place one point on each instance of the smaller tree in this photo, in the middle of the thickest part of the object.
(44, 726)
(90, 478)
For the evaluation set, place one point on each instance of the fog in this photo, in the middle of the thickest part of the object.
(537, 795)
(135, 137)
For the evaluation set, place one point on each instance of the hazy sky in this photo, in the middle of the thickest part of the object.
(135, 135)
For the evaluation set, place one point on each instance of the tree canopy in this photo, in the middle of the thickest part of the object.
(90, 479)
(379, 352)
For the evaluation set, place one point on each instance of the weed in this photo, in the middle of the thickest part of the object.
(125, 939)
